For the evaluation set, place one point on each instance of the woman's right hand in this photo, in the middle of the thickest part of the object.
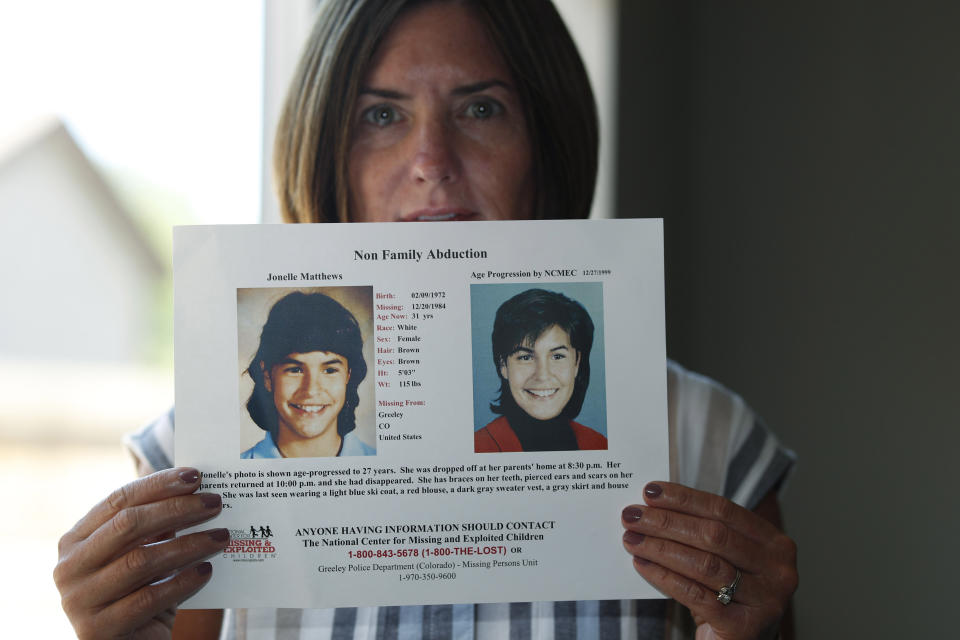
(122, 570)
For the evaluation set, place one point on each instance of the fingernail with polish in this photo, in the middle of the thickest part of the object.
(189, 476)
(219, 535)
(204, 568)
(210, 500)
(631, 537)
(653, 490)
(640, 560)
(632, 513)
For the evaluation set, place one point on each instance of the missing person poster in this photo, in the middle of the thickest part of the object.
(421, 413)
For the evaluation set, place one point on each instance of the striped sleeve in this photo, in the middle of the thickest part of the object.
(152, 445)
(718, 444)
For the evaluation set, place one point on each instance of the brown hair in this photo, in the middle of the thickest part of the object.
(313, 135)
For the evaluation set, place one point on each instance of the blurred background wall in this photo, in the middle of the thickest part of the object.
(805, 159)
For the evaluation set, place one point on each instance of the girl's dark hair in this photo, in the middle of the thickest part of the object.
(316, 123)
(301, 323)
(521, 320)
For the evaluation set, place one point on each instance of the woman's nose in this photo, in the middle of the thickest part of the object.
(435, 158)
(541, 369)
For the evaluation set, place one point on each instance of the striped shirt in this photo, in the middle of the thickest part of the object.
(717, 444)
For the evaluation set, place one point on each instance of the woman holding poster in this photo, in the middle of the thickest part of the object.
(433, 111)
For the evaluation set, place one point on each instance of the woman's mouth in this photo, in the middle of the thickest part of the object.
(541, 393)
(439, 215)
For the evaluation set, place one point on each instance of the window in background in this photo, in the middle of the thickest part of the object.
(118, 119)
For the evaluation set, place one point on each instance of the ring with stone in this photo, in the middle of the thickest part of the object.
(725, 595)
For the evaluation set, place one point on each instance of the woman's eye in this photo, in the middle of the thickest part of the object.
(559, 356)
(524, 357)
(331, 370)
(381, 115)
(483, 109)
(293, 370)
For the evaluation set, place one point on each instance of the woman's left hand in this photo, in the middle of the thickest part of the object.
(688, 544)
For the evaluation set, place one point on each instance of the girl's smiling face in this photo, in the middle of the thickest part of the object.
(542, 375)
(438, 128)
(309, 391)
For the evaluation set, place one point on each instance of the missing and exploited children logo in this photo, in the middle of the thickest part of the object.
(253, 544)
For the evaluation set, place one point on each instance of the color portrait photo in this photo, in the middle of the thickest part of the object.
(305, 360)
(538, 367)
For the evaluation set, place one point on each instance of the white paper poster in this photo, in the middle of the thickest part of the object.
(421, 413)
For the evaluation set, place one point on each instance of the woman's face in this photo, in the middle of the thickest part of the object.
(542, 375)
(438, 130)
